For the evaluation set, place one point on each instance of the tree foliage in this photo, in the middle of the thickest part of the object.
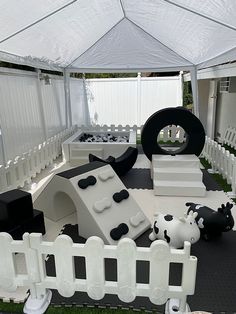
(187, 94)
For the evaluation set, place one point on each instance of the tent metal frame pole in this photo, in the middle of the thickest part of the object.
(68, 111)
(87, 115)
(181, 88)
(41, 109)
(2, 147)
(194, 83)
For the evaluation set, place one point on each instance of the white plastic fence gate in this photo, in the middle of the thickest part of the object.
(159, 255)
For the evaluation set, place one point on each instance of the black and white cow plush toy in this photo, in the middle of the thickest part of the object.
(212, 223)
(175, 230)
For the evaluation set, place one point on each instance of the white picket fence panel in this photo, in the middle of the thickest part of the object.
(222, 161)
(159, 255)
(131, 100)
(171, 133)
(23, 168)
(230, 137)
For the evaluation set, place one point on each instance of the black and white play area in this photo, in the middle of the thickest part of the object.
(113, 202)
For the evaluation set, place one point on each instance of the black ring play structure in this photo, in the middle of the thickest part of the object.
(195, 134)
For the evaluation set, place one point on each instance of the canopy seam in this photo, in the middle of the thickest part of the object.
(191, 63)
(95, 42)
(37, 21)
(200, 14)
(122, 7)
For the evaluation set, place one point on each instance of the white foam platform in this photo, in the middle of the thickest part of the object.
(178, 175)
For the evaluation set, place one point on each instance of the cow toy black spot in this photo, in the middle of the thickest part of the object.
(212, 223)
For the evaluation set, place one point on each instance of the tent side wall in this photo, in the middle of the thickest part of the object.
(33, 109)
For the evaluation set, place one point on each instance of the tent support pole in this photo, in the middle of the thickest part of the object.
(194, 84)
(41, 109)
(68, 112)
(87, 115)
(181, 87)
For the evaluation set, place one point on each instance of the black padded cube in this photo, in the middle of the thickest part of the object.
(16, 233)
(15, 207)
(35, 224)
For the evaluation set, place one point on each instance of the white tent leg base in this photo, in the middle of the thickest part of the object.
(172, 307)
(38, 306)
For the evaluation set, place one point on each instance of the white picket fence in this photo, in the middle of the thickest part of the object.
(230, 137)
(20, 171)
(159, 255)
(221, 161)
(171, 133)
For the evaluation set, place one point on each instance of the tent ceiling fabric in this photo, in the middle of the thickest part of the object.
(118, 35)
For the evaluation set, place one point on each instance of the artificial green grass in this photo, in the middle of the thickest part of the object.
(11, 307)
(218, 178)
(205, 163)
(230, 149)
(18, 308)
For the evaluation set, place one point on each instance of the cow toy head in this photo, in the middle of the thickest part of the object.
(175, 230)
(226, 216)
(190, 231)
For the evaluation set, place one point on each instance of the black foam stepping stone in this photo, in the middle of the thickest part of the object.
(120, 196)
(84, 183)
(117, 233)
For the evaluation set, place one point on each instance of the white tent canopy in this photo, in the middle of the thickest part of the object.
(118, 35)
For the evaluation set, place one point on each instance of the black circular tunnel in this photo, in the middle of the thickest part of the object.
(194, 131)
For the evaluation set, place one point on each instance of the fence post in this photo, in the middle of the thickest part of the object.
(39, 298)
(233, 184)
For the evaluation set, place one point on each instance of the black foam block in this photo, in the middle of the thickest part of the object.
(32, 224)
(35, 224)
(122, 164)
(15, 206)
(16, 232)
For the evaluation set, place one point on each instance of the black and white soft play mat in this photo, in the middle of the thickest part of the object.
(216, 272)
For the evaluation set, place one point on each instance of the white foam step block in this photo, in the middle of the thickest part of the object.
(179, 188)
(178, 161)
(177, 174)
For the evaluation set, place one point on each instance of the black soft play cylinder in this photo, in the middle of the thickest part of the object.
(195, 133)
